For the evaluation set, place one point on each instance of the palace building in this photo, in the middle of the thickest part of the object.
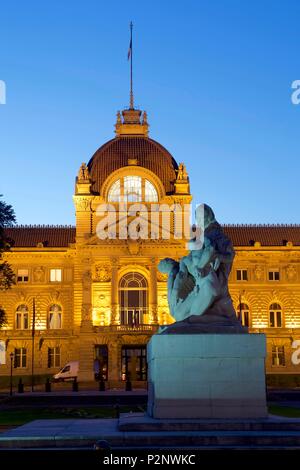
(87, 293)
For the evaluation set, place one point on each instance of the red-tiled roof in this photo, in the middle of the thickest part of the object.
(241, 235)
(50, 236)
(267, 235)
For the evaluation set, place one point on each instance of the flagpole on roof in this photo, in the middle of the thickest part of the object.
(130, 57)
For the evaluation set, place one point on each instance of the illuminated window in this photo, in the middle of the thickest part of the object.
(241, 275)
(20, 358)
(22, 318)
(55, 275)
(54, 357)
(278, 356)
(132, 189)
(133, 298)
(150, 192)
(275, 316)
(274, 275)
(115, 192)
(243, 314)
(55, 317)
(22, 275)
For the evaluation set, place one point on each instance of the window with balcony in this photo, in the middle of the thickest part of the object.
(22, 318)
(22, 275)
(275, 316)
(133, 299)
(55, 275)
(20, 358)
(278, 356)
(55, 317)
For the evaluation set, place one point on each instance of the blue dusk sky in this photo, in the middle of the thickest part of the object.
(214, 77)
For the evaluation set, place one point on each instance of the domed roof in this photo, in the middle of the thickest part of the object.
(117, 152)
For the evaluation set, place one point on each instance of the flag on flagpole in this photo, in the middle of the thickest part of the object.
(129, 54)
(129, 50)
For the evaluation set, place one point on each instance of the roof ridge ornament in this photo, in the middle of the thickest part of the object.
(132, 122)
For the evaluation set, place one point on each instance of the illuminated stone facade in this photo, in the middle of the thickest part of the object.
(102, 299)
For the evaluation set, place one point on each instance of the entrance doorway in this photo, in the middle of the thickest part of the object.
(134, 363)
(101, 362)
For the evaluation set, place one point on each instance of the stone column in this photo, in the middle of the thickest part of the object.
(86, 346)
(114, 373)
(153, 292)
(115, 315)
(86, 310)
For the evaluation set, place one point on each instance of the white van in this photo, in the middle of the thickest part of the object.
(68, 372)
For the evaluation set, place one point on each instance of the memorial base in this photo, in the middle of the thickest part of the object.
(207, 376)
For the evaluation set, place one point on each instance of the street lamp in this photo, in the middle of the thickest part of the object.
(11, 373)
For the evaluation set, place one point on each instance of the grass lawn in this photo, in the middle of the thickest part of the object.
(18, 417)
(286, 411)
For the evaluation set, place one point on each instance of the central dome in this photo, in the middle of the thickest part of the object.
(117, 153)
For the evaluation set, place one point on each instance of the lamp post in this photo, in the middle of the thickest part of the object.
(32, 348)
(11, 373)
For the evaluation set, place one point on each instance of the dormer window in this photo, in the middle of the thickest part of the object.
(132, 189)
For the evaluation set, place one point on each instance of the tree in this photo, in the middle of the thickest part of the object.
(7, 277)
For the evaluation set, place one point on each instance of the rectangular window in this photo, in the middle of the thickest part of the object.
(55, 320)
(278, 356)
(275, 319)
(244, 317)
(22, 321)
(54, 357)
(241, 275)
(23, 275)
(20, 358)
(55, 275)
(274, 275)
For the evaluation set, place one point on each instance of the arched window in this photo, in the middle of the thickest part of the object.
(132, 189)
(133, 298)
(243, 314)
(55, 317)
(275, 316)
(115, 192)
(22, 318)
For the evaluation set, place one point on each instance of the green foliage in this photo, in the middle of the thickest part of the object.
(286, 411)
(7, 277)
(3, 319)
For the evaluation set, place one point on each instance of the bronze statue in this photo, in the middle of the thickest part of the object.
(198, 292)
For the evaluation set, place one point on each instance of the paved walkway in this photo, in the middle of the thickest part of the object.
(74, 433)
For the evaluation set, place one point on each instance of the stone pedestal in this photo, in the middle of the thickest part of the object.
(207, 376)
